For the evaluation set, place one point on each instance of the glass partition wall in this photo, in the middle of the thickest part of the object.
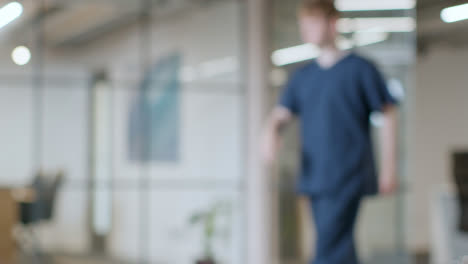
(140, 105)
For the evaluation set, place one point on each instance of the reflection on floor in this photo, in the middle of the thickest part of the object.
(84, 260)
(416, 259)
(421, 258)
(69, 260)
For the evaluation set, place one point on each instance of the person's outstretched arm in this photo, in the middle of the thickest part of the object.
(388, 173)
(278, 119)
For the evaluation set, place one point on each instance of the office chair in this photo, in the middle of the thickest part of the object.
(461, 179)
(38, 209)
(41, 208)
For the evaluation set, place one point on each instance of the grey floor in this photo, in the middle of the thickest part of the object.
(68, 260)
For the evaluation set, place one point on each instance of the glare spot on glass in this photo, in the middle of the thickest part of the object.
(377, 119)
(217, 67)
(209, 69)
(21, 55)
(396, 89)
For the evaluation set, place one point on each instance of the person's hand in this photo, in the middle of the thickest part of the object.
(271, 139)
(388, 182)
(269, 149)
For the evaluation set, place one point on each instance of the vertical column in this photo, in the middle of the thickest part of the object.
(144, 186)
(259, 217)
(38, 90)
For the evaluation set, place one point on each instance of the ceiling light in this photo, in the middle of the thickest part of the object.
(369, 5)
(454, 13)
(295, 54)
(21, 55)
(10, 12)
(368, 38)
(218, 67)
(305, 52)
(377, 24)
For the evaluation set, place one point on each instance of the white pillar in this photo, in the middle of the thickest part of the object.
(259, 220)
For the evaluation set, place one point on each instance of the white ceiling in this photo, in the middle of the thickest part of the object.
(75, 22)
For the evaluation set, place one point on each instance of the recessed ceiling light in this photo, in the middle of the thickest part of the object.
(21, 55)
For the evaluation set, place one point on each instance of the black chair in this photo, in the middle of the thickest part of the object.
(39, 209)
(461, 179)
(42, 207)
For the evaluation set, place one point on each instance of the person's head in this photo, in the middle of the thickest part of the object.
(317, 21)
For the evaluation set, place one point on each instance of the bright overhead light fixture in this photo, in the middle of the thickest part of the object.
(369, 5)
(305, 52)
(10, 12)
(369, 38)
(454, 13)
(377, 24)
(21, 55)
(295, 54)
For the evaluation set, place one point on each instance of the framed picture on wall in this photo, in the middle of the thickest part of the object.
(154, 122)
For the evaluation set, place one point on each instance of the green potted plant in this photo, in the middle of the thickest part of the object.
(207, 220)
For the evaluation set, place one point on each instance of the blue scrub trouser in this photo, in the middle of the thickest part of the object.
(335, 216)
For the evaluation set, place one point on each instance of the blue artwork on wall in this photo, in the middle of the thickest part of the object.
(154, 114)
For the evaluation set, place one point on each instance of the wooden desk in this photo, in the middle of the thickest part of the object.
(8, 220)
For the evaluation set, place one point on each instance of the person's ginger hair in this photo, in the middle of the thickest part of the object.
(314, 7)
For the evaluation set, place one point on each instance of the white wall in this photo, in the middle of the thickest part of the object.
(64, 146)
(16, 158)
(437, 126)
(211, 142)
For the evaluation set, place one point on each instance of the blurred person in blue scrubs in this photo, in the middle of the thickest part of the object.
(333, 97)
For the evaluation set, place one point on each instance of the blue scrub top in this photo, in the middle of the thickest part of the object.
(333, 106)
